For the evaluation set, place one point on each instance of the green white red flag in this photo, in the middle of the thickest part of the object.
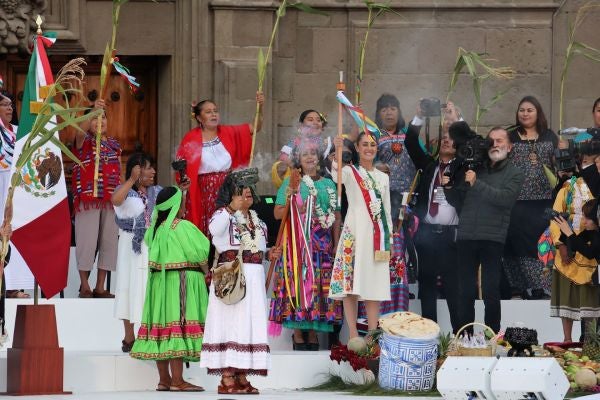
(41, 219)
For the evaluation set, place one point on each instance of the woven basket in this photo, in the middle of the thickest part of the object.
(455, 348)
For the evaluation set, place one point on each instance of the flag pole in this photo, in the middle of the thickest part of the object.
(341, 86)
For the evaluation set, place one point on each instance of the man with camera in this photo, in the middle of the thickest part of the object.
(488, 194)
(435, 240)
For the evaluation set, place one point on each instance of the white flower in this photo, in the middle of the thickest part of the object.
(375, 209)
(248, 243)
(326, 219)
(371, 184)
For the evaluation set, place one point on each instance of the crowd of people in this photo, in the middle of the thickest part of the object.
(463, 224)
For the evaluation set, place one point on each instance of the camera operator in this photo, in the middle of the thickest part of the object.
(489, 195)
(435, 240)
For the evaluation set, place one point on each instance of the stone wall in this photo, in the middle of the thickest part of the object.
(212, 46)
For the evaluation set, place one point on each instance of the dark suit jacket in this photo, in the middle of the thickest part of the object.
(427, 164)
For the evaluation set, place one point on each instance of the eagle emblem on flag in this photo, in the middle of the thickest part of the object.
(42, 172)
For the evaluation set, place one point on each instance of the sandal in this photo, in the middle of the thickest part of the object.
(232, 388)
(104, 294)
(163, 387)
(186, 387)
(246, 388)
(126, 346)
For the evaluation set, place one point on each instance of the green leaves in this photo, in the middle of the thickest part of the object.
(576, 48)
(375, 10)
(54, 117)
(306, 8)
(261, 66)
(480, 69)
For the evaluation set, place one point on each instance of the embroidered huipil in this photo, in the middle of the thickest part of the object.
(109, 173)
(402, 170)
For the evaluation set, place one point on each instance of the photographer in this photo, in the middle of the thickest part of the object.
(489, 195)
(583, 249)
(435, 240)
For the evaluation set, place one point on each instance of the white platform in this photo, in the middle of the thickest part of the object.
(91, 337)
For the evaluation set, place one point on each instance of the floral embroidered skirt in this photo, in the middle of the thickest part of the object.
(164, 334)
(235, 338)
(320, 312)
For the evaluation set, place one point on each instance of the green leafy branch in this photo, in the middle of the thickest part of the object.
(263, 60)
(375, 10)
(575, 48)
(480, 69)
(51, 119)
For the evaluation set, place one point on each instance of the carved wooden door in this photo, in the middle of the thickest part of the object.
(132, 117)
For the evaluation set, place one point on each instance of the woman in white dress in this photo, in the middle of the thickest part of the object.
(235, 337)
(134, 202)
(361, 265)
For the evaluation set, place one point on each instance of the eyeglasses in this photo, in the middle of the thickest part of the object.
(10, 104)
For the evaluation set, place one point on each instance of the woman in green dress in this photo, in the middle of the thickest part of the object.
(176, 296)
(304, 306)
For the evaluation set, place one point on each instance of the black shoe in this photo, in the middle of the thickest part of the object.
(539, 294)
(299, 346)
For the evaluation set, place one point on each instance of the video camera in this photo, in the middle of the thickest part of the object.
(471, 148)
(566, 159)
(180, 165)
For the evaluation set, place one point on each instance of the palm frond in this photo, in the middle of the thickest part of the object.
(479, 68)
(576, 48)
(307, 9)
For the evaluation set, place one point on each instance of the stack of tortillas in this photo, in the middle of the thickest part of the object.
(409, 325)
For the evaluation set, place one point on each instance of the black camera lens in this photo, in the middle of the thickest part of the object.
(346, 157)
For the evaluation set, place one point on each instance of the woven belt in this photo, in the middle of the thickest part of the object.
(247, 256)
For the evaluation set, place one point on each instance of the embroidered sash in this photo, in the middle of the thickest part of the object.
(381, 233)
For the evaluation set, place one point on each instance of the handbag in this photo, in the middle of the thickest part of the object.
(229, 280)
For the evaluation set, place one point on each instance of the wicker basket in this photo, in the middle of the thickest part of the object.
(455, 349)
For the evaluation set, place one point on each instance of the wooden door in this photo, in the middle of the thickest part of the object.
(132, 117)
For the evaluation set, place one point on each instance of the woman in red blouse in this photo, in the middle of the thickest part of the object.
(211, 151)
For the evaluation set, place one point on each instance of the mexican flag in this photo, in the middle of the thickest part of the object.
(41, 220)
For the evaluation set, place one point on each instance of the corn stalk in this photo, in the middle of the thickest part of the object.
(575, 48)
(263, 60)
(44, 129)
(375, 10)
(479, 69)
(105, 71)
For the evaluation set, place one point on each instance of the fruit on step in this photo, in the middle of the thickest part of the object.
(585, 378)
(357, 345)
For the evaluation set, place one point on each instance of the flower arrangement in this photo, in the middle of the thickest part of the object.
(326, 218)
(371, 184)
(341, 353)
(249, 236)
(354, 368)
